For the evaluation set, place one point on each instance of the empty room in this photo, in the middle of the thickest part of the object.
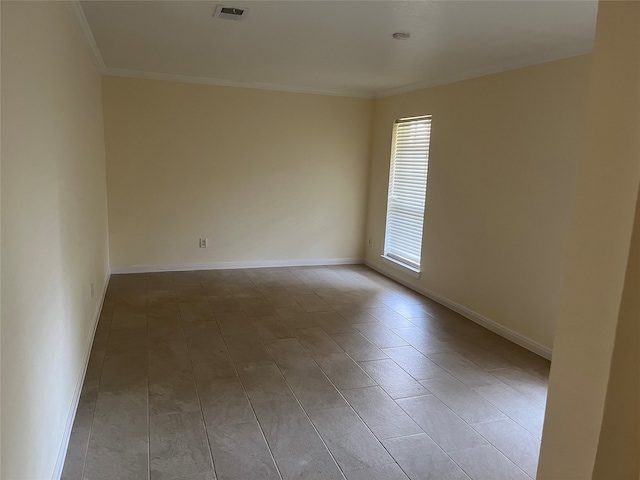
(357, 240)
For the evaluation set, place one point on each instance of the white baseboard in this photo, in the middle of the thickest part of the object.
(182, 267)
(489, 324)
(62, 453)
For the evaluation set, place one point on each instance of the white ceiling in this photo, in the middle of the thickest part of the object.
(340, 47)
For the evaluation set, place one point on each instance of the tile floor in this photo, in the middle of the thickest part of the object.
(300, 373)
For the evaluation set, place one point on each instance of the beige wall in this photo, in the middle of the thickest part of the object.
(621, 420)
(503, 154)
(587, 407)
(54, 228)
(265, 176)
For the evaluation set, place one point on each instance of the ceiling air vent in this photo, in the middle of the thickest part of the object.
(230, 13)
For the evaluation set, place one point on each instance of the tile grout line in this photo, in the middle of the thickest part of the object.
(499, 381)
(417, 380)
(508, 416)
(394, 400)
(341, 395)
(146, 324)
(358, 415)
(494, 446)
(235, 368)
(306, 414)
(497, 449)
(84, 463)
(318, 281)
(425, 433)
(195, 384)
(468, 424)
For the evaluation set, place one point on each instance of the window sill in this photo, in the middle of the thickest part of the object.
(410, 271)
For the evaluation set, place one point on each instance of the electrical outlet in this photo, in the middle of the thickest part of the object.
(370, 241)
(91, 289)
(203, 243)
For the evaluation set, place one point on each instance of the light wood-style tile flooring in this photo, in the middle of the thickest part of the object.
(300, 373)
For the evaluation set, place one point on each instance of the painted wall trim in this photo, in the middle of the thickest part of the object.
(171, 77)
(62, 453)
(181, 267)
(76, 9)
(481, 72)
(489, 324)
(78, 13)
(393, 263)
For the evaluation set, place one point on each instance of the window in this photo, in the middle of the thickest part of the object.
(407, 191)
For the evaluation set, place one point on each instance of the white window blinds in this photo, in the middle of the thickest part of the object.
(407, 190)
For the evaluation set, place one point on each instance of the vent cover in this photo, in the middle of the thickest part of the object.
(230, 13)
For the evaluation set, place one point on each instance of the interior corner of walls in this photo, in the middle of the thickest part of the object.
(78, 14)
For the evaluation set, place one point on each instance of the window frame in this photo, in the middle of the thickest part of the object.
(409, 161)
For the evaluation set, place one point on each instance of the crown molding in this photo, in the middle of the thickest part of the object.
(76, 9)
(481, 72)
(116, 72)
